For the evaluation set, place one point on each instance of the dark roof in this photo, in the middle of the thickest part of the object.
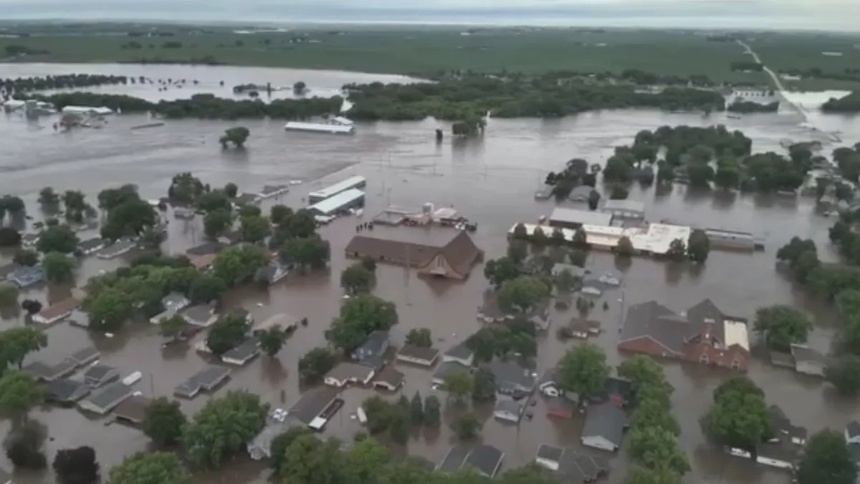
(110, 395)
(577, 467)
(245, 351)
(549, 452)
(454, 459)
(509, 406)
(312, 403)
(373, 345)
(783, 451)
(418, 246)
(207, 248)
(803, 353)
(347, 371)
(65, 390)
(90, 244)
(132, 409)
(391, 376)
(50, 371)
(780, 424)
(605, 420)
(853, 429)
(85, 355)
(509, 373)
(486, 459)
(210, 375)
(200, 313)
(419, 353)
(459, 350)
(58, 308)
(99, 372)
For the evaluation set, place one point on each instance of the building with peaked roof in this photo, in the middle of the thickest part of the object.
(91, 246)
(85, 356)
(116, 249)
(313, 403)
(206, 379)
(201, 315)
(571, 218)
(508, 410)
(25, 277)
(418, 355)
(106, 398)
(172, 303)
(261, 447)
(445, 369)
(345, 373)
(570, 466)
(65, 390)
(704, 334)
(459, 353)
(604, 427)
(132, 409)
(56, 312)
(388, 378)
(243, 353)
(99, 375)
(48, 372)
(352, 198)
(485, 459)
(513, 379)
(438, 252)
(350, 183)
(374, 345)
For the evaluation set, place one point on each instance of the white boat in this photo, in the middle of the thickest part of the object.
(336, 125)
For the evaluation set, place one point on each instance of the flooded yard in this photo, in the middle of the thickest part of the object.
(491, 181)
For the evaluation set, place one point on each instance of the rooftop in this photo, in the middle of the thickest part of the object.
(390, 376)
(579, 217)
(312, 403)
(336, 202)
(486, 459)
(605, 420)
(243, 352)
(59, 308)
(346, 371)
(210, 375)
(549, 452)
(132, 409)
(109, 395)
(627, 205)
(65, 390)
(50, 371)
(654, 237)
(459, 350)
(419, 353)
(85, 355)
(338, 187)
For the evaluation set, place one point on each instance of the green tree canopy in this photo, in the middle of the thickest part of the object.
(739, 416)
(223, 428)
(583, 370)
(357, 279)
(458, 384)
(310, 252)
(360, 316)
(150, 468)
(58, 267)
(19, 393)
(238, 264)
(522, 293)
(59, 238)
(655, 447)
(227, 333)
(782, 326)
(827, 459)
(17, 343)
(163, 421)
(420, 337)
(315, 364)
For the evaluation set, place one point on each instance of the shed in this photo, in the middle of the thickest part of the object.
(132, 410)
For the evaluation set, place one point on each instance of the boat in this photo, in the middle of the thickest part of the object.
(336, 125)
(132, 379)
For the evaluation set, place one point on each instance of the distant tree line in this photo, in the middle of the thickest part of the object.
(847, 104)
(63, 81)
(740, 106)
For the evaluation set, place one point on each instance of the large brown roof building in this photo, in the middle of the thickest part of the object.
(432, 251)
(703, 334)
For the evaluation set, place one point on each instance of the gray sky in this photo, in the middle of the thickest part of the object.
(777, 14)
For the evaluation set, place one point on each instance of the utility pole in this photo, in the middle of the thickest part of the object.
(151, 386)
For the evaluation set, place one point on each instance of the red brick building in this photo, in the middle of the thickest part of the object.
(703, 334)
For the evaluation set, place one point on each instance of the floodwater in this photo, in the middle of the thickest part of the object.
(491, 181)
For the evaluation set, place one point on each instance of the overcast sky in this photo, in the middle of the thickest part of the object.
(777, 14)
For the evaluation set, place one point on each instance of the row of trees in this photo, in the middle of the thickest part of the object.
(471, 95)
(746, 107)
(847, 105)
(201, 106)
(60, 81)
(397, 420)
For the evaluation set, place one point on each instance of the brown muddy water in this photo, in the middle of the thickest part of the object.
(489, 180)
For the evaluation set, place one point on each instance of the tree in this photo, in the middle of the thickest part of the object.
(206, 288)
(357, 279)
(315, 364)
(237, 135)
(653, 413)
(59, 238)
(580, 239)
(13, 205)
(727, 176)
(281, 443)
(8, 295)
(466, 426)
(9, 237)
(782, 326)
(19, 393)
(739, 416)
(217, 223)
(231, 190)
(624, 247)
(360, 316)
(227, 333)
(171, 327)
(250, 211)
(272, 340)
(17, 343)
(432, 411)
(483, 386)
(255, 229)
(108, 310)
(659, 475)
(130, 218)
(26, 257)
(416, 409)
(23, 445)
(307, 252)
(238, 264)
(458, 384)
(655, 446)
(520, 232)
(312, 460)
(299, 87)
(420, 337)
(538, 237)
(58, 267)
(517, 250)
(497, 271)
(522, 293)
(642, 371)
(76, 466)
(163, 421)
(844, 374)
(280, 214)
(49, 199)
(150, 468)
(223, 428)
(677, 250)
(700, 174)
(583, 370)
(698, 246)
(619, 192)
(826, 458)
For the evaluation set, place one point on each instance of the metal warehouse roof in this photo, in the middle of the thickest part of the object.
(333, 204)
(333, 190)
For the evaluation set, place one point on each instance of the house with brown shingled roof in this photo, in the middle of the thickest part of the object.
(431, 251)
(703, 334)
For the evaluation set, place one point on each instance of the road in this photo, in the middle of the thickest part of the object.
(779, 87)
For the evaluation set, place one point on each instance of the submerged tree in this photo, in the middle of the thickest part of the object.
(237, 136)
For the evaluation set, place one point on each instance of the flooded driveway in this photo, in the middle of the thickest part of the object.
(489, 180)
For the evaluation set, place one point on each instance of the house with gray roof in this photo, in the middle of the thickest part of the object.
(346, 372)
(50, 371)
(85, 356)
(243, 353)
(116, 249)
(445, 369)
(604, 427)
(313, 403)
(25, 277)
(99, 375)
(374, 346)
(65, 390)
(201, 315)
(508, 410)
(261, 447)
(106, 398)
(388, 378)
(418, 355)
(570, 466)
(808, 361)
(272, 273)
(206, 379)
(513, 379)
(91, 246)
(460, 354)
(485, 459)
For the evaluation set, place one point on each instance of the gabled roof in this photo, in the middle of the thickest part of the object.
(460, 350)
(418, 247)
(805, 354)
(605, 420)
(99, 372)
(65, 390)
(486, 459)
(853, 429)
(509, 373)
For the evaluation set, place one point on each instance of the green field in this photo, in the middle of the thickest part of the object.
(425, 51)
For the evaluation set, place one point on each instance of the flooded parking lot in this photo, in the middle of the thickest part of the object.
(491, 181)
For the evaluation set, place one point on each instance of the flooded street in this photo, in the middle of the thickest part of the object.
(491, 181)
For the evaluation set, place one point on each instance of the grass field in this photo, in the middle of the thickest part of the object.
(424, 51)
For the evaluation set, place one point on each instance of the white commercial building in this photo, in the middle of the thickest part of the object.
(652, 239)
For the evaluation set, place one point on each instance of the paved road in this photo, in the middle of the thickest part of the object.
(779, 87)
